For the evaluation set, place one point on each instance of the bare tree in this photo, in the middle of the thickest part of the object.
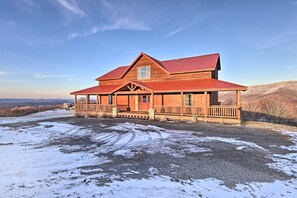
(252, 111)
(275, 109)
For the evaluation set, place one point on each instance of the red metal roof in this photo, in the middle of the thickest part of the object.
(114, 74)
(208, 84)
(191, 64)
(105, 89)
(181, 65)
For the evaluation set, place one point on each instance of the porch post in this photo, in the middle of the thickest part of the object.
(115, 100)
(152, 110)
(115, 109)
(182, 104)
(136, 102)
(205, 105)
(87, 102)
(162, 108)
(238, 105)
(152, 101)
(75, 102)
(128, 108)
(97, 102)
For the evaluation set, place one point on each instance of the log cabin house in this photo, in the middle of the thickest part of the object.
(183, 89)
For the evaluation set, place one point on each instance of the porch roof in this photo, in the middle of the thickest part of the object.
(199, 85)
(208, 84)
(106, 89)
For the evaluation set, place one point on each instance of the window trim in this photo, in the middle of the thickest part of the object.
(188, 99)
(110, 99)
(147, 72)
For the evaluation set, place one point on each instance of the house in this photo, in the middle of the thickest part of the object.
(183, 88)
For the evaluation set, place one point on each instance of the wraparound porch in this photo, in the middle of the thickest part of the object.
(158, 109)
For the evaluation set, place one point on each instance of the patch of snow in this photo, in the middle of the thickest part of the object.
(293, 138)
(165, 187)
(57, 113)
(230, 141)
(153, 171)
(287, 162)
(124, 152)
(240, 147)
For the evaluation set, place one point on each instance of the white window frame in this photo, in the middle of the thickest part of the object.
(144, 72)
(188, 99)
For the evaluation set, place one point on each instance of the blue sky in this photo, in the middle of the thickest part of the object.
(51, 47)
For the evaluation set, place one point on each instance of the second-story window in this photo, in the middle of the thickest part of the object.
(144, 72)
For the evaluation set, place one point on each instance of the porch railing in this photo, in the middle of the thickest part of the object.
(212, 111)
(93, 107)
(222, 111)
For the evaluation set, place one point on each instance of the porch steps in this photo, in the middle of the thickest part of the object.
(133, 116)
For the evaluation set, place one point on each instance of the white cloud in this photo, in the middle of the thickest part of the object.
(72, 7)
(178, 30)
(2, 73)
(120, 16)
(38, 75)
(121, 24)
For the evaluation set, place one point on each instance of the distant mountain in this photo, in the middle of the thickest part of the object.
(32, 102)
(282, 94)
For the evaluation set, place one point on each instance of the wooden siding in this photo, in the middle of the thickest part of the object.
(104, 100)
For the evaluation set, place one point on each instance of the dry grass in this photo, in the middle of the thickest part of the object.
(24, 110)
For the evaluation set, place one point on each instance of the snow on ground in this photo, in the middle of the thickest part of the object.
(29, 168)
(57, 113)
(241, 144)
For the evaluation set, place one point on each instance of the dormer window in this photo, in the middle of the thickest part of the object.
(144, 72)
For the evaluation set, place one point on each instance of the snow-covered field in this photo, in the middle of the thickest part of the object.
(51, 159)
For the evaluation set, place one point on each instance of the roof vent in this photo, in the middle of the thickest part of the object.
(177, 60)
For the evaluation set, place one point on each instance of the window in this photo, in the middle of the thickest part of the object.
(144, 72)
(144, 99)
(110, 99)
(188, 99)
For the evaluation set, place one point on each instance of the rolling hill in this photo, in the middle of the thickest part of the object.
(283, 95)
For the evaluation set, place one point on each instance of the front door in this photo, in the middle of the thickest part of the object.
(144, 102)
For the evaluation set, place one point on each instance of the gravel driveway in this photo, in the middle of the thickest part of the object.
(69, 156)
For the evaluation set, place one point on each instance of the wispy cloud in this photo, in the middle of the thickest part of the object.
(2, 73)
(287, 38)
(38, 75)
(119, 16)
(178, 30)
(121, 24)
(14, 81)
(72, 6)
